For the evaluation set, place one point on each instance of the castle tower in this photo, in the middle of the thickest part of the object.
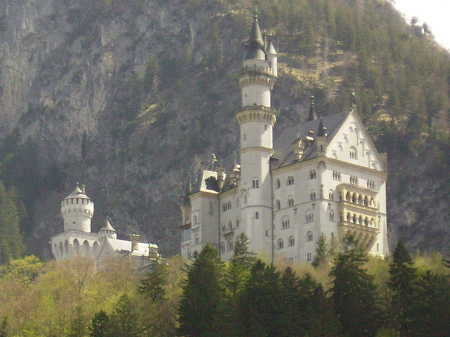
(256, 119)
(107, 232)
(77, 211)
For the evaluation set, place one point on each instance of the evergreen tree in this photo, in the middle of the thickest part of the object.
(403, 286)
(100, 325)
(321, 258)
(202, 295)
(125, 319)
(260, 306)
(354, 293)
(11, 245)
(430, 309)
(154, 282)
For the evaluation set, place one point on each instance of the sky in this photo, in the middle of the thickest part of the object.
(434, 12)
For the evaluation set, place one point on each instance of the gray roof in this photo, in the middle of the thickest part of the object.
(283, 145)
(255, 47)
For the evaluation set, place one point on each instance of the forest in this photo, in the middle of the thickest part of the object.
(344, 292)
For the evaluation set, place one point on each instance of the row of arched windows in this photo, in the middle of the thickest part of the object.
(359, 199)
(76, 201)
(358, 219)
(291, 240)
(290, 203)
(226, 206)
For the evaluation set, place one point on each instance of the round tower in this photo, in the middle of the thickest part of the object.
(107, 232)
(256, 119)
(77, 211)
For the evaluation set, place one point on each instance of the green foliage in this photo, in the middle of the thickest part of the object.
(202, 295)
(126, 320)
(100, 325)
(354, 293)
(154, 282)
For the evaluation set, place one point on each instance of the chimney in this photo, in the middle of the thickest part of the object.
(134, 238)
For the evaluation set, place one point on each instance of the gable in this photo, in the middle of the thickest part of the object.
(352, 143)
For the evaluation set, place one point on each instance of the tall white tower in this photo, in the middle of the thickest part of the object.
(256, 119)
(77, 211)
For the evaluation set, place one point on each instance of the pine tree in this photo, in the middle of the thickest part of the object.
(126, 319)
(154, 282)
(321, 258)
(260, 306)
(202, 295)
(403, 286)
(354, 293)
(100, 325)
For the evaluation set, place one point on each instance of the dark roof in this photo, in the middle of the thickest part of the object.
(283, 145)
(255, 47)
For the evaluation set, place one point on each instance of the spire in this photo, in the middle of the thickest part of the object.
(255, 47)
(271, 49)
(188, 184)
(322, 130)
(353, 99)
(312, 111)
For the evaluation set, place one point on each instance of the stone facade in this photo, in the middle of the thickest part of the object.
(77, 239)
(322, 176)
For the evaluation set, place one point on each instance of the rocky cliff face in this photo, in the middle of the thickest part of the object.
(127, 96)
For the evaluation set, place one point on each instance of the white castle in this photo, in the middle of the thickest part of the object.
(77, 210)
(323, 176)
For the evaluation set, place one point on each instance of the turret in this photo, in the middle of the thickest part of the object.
(321, 139)
(107, 232)
(272, 57)
(77, 211)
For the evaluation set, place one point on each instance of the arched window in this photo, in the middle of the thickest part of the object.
(278, 184)
(285, 223)
(331, 216)
(291, 241)
(256, 215)
(353, 153)
(222, 247)
(290, 201)
(312, 174)
(308, 256)
(312, 195)
(309, 236)
(331, 195)
(277, 204)
(280, 244)
(255, 183)
(290, 180)
(76, 246)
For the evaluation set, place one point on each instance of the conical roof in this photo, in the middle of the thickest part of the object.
(271, 49)
(312, 111)
(255, 47)
(107, 227)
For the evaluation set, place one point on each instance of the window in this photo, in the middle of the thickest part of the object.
(277, 204)
(197, 239)
(371, 184)
(255, 183)
(331, 195)
(354, 180)
(285, 223)
(337, 175)
(230, 245)
(353, 153)
(331, 216)
(226, 206)
(308, 257)
(290, 180)
(278, 184)
(222, 247)
(312, 174)
(309, 217)
(312, 196)
(309, 236)
(290, 202)
(256, 215)
(291, 241)
(280, 244)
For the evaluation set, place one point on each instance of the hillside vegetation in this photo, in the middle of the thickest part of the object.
(127, 96)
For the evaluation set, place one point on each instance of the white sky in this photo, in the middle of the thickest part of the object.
(434, 12)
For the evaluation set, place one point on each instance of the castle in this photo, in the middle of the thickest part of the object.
(323, 176)
(77, 210)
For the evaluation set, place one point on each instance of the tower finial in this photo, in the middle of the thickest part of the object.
(312, 111)
(353, 99)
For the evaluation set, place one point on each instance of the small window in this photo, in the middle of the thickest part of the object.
(277, 204)
(308, 257)
(255, 183)
(353, 153)
(285, 223)
(256, 215)
(280, 244)
(291, 202)
(197, 239)
(290, 180)
(291, 241)
(331, 195)
(222, 247)
(309, 237)
(278, 184)
(337, 175)
(312, 174)
(312, 196)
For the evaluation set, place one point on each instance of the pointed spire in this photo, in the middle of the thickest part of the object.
(322, 129)
(188, 184)
(312, 111)
(353, 99)
(271, 49)
(255, 47)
